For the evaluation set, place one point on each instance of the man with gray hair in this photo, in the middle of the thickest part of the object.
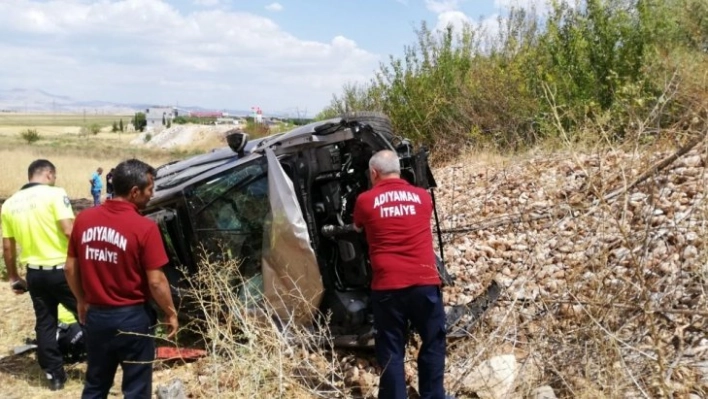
(395, 216)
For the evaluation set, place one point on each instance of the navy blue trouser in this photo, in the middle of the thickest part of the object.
(96, 198)
(48, 288)
(120, 336)
(422, 306)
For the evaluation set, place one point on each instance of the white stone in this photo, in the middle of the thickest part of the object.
(494, 378)
(544, 392)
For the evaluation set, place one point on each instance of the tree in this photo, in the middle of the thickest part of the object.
(120, 125)
(114, 128)
(139, 121)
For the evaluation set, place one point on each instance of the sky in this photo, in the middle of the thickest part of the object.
(285, 56)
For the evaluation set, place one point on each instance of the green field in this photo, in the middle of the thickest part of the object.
(67, 119)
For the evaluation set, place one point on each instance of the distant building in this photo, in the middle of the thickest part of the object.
(206, 114)
(229, 120)
(159, 116)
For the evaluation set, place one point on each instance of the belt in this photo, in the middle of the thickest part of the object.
(40, 267)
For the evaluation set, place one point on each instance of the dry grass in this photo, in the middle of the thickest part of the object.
(251, 356)
(75, 156)
(35, 120)
(74, 168)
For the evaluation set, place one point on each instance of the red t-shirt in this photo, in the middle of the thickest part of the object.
(395, 216)
(114, 245)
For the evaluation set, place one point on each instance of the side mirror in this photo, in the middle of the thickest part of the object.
(236, 140)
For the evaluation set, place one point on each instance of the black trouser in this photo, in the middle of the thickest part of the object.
(48, 288)
(120, 336)
(421, 306)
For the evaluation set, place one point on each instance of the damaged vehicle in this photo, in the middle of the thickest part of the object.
(282, 206)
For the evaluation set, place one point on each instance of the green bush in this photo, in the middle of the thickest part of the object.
(147, 137)
(605, 64)
(94, 128)
(256, 130)
(30, 135)
(182, 120)
(139, 121)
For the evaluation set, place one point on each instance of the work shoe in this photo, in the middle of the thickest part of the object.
(56, 380)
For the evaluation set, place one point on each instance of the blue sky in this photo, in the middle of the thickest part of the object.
(223, 54)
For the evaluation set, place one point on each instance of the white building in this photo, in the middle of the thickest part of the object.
(159, 116)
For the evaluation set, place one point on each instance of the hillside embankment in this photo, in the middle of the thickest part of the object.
(602, 256)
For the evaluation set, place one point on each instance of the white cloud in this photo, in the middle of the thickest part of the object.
(542, 7)
(441, 6)
(449, 13)
(206, 3)
(456, 19)
(274, 7)
(148, 51)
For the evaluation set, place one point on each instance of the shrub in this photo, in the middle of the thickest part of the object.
(256, 130)
(544, 76)
(250, 350)
(30, 135)
(147, 137)
(94, 128)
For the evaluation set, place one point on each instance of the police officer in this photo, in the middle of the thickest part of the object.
(114, 267)
(39, 218)
(395, 217)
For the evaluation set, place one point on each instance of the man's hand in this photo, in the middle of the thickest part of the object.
(81, 309)
(172, 325)
(19, 285)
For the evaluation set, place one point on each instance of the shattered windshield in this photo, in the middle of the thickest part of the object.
(229, 213)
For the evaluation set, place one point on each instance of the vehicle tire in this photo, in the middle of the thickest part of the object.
(379, 121)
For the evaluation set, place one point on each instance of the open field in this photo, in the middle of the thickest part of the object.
(74, 119)
(75, 158)
(75, 155)
(57, 124)
(73, 168)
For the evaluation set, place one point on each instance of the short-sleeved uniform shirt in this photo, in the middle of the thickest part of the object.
(97, 185)
(114, 246)
(31, 216)
(395, 216)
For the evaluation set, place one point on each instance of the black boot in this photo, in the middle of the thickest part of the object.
(56, 380)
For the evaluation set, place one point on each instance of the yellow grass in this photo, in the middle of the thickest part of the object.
(75, 156)
(68, 119)
(73, 169)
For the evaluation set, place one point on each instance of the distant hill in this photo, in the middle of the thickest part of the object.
(35, 100)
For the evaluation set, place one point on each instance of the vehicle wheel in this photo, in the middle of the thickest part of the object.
(379, 121)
